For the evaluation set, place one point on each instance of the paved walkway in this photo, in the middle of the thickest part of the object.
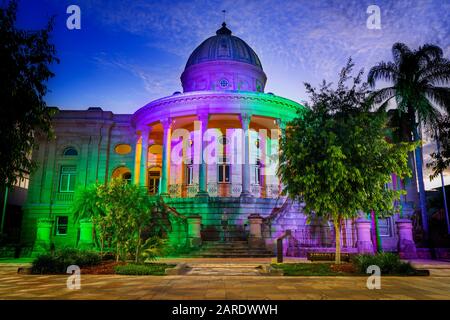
(17, 286)
(225, 279)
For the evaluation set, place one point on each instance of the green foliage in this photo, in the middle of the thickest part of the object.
(389, 263)
(25, 58)
(441, 158)
(308, 269)
(58, 263)
(125, 212)
(152, 248)
(335, 156)
(155, 269)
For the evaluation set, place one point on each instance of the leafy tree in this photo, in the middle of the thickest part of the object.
(25, 59)
(418, 79)
(125, 211)
(335, 156)
(441, 158)
(88, 204)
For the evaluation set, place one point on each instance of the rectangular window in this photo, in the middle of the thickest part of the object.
(153, 182)
(61, 225)
(384, 227)
(257, 173)
(189, 176)
(224, 172)
(67, 179)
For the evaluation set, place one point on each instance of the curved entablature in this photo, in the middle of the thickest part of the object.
(213, 102)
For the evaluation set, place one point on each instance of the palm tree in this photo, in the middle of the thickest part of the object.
(418, 79)
(88, 205)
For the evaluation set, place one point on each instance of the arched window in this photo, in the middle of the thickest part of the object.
(127, 176)
(122, 173)
(70, 151)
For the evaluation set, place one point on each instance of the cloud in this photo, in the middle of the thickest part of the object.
(312, 37)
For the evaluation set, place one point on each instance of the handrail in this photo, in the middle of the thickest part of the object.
(171, 209)
(277, 210)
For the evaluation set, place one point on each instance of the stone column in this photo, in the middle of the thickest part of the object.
(143, 181)
(165, 170)
(281, 129)
(202, 173)
(194, 228)
(406, 245)
(245, 121)
(255, 238)
(42, 243)
(86, 234)
(364, 241)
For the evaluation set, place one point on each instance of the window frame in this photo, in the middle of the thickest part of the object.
(58, 225)
(189, 173)
(70, 175)
(223, 167)
(70, 148)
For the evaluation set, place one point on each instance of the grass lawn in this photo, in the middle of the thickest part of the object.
(154, 269)
(315, 269)
(330, 269)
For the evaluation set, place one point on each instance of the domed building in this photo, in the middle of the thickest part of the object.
(211, 152)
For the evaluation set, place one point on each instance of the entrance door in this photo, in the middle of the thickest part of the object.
(153, 182)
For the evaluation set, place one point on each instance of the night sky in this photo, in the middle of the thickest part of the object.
(128, 53)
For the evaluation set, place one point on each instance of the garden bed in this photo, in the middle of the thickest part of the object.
(389, 264)
(330, 269)
(154, 269)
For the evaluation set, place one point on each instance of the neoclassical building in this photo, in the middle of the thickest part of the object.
(210, 151)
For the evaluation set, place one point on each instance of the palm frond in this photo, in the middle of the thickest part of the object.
(386, 71)
(399, 52)
(436, 73)
(439, 95)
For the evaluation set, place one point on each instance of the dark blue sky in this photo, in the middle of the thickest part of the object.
(128, 53)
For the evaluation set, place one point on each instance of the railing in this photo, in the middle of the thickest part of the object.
(64, 197)
(223, 190)
(310, 236)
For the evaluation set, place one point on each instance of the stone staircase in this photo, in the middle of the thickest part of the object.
(230, 249)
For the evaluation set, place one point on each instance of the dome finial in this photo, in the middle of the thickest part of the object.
(224, 30)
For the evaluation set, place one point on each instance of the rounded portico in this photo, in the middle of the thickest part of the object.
(211, 143)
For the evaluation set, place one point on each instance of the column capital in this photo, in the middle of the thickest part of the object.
(245, 119)
(167, 123)
(144, 130)
(203, 117)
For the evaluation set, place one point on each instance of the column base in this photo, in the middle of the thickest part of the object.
(364, 247)
(256, 242)
(202, 194)
(246, 194)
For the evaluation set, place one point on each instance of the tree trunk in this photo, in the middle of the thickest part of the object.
(138, 245)
(117, 251)
(337, 232)
(422, 195)
(447, 218)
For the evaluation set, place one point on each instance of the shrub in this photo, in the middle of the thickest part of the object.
(58, 263)
(143, 269)
(45, 263)
(389, 263)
